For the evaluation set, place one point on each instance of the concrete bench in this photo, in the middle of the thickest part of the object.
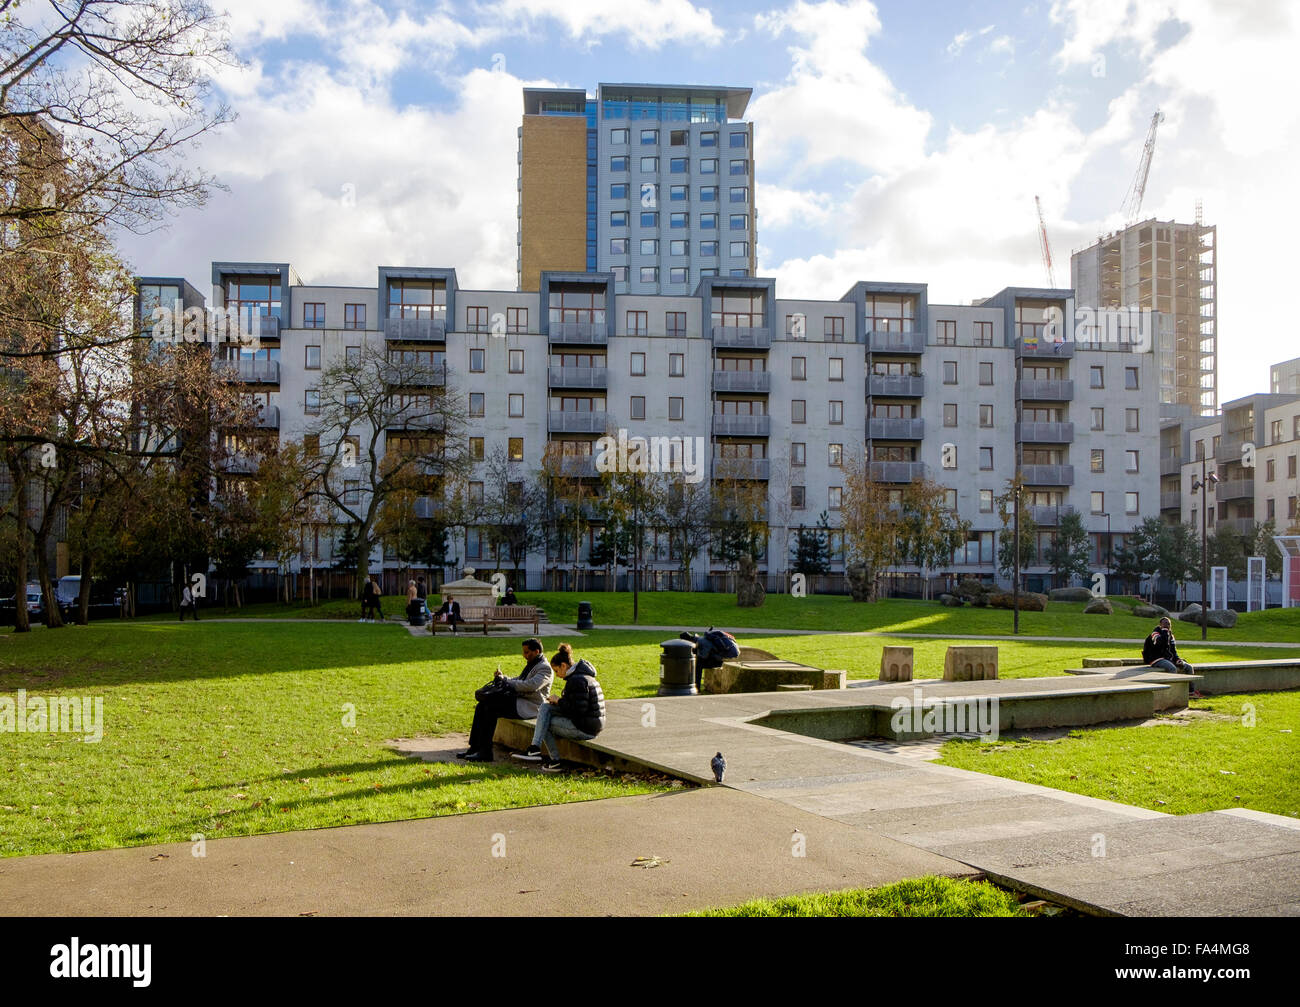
(1221, 677)
(517, 734)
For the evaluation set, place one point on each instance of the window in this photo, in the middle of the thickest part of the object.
(798, 368)
(679, 220)
(676, 407)
(312, 363)
(618, 218)
(950, 414)
(986, 373)
(313, 315)
(738, 249)
(797, 497)
(679, 137)
(709, 194)
(709, 139)
(738, 194)
(738, 222)
(476, 492)
(618, 164)
(837, 411)
(476, 404)
(677, 274)
(638, 365)
(986, 459)
(516, 319)
(618, 190)
(515, 449)
(946, 333)
(1130, 461)
(476, 319)
(351, 491)
(1098, 460)
(835, 369)
(649, 274)
(677, 193)
(477, 361)
(649, 218)
(1131, 420)
(1096, 377)
(950, 372)
(618, 246)
(516, 365)
(620, 274)
(709, 166)
(986, 501)
(1130, 377)
(311, 402)
(649, 137)
(709, 222)
(986, 416)
(834, 496)
(638, 323)
(476, 448)
(679, 166)
(833, 328)
(676, 365)
(798, 411)
(618, 136)
(1269, 509)
(1098, 418)
(835, 456)
(798, 453)
(1275, 431)
(637, 407)
(738, 140)
(739, 167)
(708, 248)
(1290, 467)
(649, 246)
(1098, 502)
(679, 246)
(311, 444)
(1130, 503)
(354, 316)
(675, 323)
(983, 333)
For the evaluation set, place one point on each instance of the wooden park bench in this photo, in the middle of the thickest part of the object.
(485, 617)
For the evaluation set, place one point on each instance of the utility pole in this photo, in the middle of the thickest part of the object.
(1200, 484)
(1015, 581)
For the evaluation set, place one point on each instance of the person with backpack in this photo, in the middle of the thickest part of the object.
(711, 649)
(579, 713)
(1160, 650)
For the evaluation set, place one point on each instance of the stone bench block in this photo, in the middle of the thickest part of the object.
(970, 664)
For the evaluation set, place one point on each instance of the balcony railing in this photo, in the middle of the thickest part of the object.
(268, 418)
(577, 377)
(742, 468)
(239, 463)
(416, 418)
(578, 466)
(903, 385)
(1171, 500)
(1237, 489)
(742, 381)
(1045, 348)
(401, 376)
(1171, 465)
(1047, 475)
(586, 333)
(895, 342)
(1045, 389)
(897, 472)
(563, 422)
(258, 372)
(427, 507)
(896, 429)
(1241, 525)
(262, 326)
(1045, 433)
(1230, 444)
(729, 425)
(415, 329)
(1048, 515)
(742, 337)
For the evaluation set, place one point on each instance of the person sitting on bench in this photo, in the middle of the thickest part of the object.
(1161, 651)
(449, 612)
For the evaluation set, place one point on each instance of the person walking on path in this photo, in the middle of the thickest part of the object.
(188, 602)
(578, 714)
(370, 600)
(520, 696)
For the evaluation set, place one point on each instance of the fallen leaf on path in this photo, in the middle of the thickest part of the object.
(648, 862)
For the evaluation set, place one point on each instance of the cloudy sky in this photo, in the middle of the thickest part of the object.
(893, 140)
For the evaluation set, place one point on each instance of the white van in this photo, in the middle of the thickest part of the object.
(68, 590)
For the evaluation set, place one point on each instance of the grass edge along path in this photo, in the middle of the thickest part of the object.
(929, 896)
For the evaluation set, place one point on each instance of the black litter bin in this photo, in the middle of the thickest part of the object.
(677, 669)
(584, 616)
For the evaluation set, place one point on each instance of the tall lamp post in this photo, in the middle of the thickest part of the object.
(1015, 581)
(1199, 484)
(1106, 515)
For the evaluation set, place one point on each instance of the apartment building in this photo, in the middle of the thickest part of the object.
(652, 183)
(780, 392)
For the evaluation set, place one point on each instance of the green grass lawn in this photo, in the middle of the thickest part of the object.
(834, 613)
(1205, 765)
(927, 896)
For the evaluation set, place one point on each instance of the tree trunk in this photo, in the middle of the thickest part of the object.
(53, 617)
(22, 622)
(83, 596)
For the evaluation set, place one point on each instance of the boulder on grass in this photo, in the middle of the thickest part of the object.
(1220, 618)
(750, 592)
(1030, 601)
(1099, 606)
(951, 600)
(974, 591)
(1150, 612)
(1192, 613)
(1070, 594)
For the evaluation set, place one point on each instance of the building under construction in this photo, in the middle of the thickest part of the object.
(1169, 268)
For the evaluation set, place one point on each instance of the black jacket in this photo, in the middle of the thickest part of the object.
(583, 701)
(1160, 645)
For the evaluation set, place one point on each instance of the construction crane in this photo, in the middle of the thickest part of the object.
(1044, 246)
(1133, 200)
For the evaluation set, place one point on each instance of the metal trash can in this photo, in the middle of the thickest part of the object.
(677, 669)
(584, 616)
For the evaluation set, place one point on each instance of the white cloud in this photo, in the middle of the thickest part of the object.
(783, 207)
(647, 24)
(962, 37)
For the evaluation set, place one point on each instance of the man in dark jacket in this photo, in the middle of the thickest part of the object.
(450, 613)
(521, 696)
(1161, 651)
(578, 714)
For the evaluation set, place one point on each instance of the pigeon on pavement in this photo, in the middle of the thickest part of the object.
(719, 765)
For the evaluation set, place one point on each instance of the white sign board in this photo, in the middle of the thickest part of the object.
(1255, 584)
(1218, 587)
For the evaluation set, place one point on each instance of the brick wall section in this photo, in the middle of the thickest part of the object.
(553, 197)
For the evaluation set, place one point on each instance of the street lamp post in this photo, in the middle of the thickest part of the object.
(1015, 581)
(1106, 515)
(1199, 484)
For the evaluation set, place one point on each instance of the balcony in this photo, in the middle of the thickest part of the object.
(1236, 489)
(256, 372)
(742, 468)
(401, 376)
(897, 472)
(427, 507)
(1171, 465)
(900, 385)
(415, 329)
(1230, 444)
(238, 463)
(564, 422)
(742, 381)
(895, 342)
(262, 326)
(415, 418)
(1048, 515)
(577, 377)
(905, 429)
(729, 425)
(268, 418)
(742, 337)
(1047, 475)
(1241, 525)
(1044, 390)
(1045, 433)
(1045, 349)
(1171, 500)
(577, 466)
(582, 333)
